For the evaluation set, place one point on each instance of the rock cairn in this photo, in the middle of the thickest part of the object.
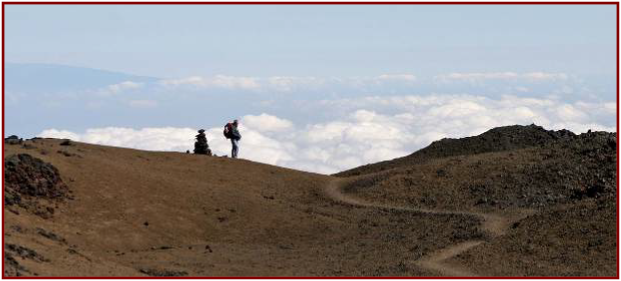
(201, 146)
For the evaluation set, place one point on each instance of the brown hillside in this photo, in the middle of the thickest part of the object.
(123, 212)
(497, 139)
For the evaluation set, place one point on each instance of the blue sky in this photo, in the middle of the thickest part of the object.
(317, 88)
(165, 41)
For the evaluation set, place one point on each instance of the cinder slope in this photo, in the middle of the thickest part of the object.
(128, 202)
(154, 213)
(565, 182)
(517, 202)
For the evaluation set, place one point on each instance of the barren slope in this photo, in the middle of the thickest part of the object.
(565, 182)
(525, 201)
(137, 213)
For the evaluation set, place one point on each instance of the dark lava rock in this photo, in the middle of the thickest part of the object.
(29, 181)
(51, 235)
(159, 272)
(24, 252)
(521, 166)
(13, 139)
(12, 268)
(498, 139)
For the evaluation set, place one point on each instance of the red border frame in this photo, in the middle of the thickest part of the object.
(312, 3)
(308, 3)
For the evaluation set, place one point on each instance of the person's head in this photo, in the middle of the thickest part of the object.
(235, 122)
(201, 131)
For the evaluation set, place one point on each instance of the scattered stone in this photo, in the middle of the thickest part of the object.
(12, 267)
(66, 142)
(66, 153)
(75, 252)
(28, 146)
(50, 235)
(146, 223)
(17, 228)
(441, 173)
(25, 253)
(163, 273)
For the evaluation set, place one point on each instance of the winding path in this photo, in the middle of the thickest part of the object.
(493, 224)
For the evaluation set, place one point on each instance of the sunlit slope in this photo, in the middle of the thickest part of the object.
(129, 200)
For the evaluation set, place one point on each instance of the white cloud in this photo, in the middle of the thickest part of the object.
(486, 76)
(473, 77)
(232, 82)
(120, 87)
(522, 89)
(290, 83)
(266, 123)
(286, 83)
(166, 139)
(59, 134)
(545, 76)
(397, 77)
(218, 81)
(142, 103)
(610, 107)
(568, 112)
(192, 80)
(364, 133)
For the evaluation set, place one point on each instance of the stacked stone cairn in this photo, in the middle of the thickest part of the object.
(201, 146)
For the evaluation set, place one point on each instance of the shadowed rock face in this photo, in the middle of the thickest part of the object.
(28, 179)
(495, 140)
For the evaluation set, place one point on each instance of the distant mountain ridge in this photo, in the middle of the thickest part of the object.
(41, 77)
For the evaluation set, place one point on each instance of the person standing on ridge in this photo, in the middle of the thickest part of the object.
(231, 132)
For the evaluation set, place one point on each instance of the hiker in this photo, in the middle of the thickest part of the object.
(231, 132)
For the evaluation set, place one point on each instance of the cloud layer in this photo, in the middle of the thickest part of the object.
(366, 130)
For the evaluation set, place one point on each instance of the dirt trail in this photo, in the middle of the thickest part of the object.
(493, 224)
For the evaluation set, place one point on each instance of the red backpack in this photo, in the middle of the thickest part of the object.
(228, 131)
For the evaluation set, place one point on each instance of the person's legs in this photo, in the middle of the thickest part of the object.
(235, 148)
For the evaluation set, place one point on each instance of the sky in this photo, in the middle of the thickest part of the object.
(316, 88)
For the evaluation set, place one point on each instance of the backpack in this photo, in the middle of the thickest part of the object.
(228, 133)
